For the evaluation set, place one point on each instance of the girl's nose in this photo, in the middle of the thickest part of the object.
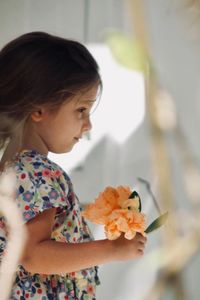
(87, 124)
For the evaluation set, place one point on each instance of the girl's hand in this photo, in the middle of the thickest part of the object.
(129, 249)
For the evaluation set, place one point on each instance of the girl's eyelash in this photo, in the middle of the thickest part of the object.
(82, 109)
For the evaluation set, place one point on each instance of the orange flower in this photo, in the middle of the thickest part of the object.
(123, 194)
(117, 212)
(103, 206)
(112, 231)
(127, 221)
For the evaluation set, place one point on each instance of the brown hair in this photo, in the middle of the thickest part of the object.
(38, 68)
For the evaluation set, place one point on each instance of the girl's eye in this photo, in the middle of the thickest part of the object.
(81, 110)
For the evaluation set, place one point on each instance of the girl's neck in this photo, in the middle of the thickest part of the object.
(31, 140)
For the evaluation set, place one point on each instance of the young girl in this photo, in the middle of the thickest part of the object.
(48, 87)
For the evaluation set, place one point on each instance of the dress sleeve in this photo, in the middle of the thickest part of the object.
(38, 190)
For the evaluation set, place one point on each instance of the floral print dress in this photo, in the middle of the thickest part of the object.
(41, 185)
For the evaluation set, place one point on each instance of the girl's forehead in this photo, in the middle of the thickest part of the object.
(87, 97)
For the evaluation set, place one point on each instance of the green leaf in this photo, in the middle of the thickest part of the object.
(133, 195)
(128, 52)
(157, 223)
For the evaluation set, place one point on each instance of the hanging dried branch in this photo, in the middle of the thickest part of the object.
(193, 5)
(177, 258)
(191, 8)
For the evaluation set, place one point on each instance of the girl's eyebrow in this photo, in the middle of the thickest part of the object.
(87, 101)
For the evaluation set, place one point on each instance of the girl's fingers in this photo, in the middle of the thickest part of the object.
(141, 237)
(142, 242)
(140, 252)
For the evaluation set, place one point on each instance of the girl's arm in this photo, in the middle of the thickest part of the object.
(45, 256)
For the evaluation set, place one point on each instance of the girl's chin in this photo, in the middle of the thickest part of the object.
(66, 148)
(62, 151)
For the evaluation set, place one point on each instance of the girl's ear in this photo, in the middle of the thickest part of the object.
(39, 115)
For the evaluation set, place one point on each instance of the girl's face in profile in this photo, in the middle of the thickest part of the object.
(61, 130)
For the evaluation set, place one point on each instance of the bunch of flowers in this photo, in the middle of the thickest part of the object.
(119, 210)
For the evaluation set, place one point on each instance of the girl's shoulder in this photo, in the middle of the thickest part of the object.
(40, 184)
(37, 164)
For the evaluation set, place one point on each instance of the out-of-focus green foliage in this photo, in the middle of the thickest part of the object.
(128, 52)
(157, 223)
